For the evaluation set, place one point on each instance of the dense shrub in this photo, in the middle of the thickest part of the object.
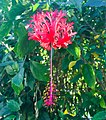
(79, 71)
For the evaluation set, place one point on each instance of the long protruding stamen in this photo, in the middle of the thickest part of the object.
(51, 77)
(50, 98)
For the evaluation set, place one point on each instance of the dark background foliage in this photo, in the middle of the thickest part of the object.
(79, 71)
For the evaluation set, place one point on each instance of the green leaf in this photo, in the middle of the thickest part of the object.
(71, 64)
(89, 75)
(17, 81)
(44, 116)
(9, 70)
(11, 117)
(35, 6)
(102, 103)
(76, 78)
(96, 3)
(5, 29)
(4, 111)
(39, 71)
(77, 4)
(13, 105)
(13, 69)
(4, 5)
(65, 63)
(6, 63)
(18, 78)
(61, 114)
(30, 81)
(39, 104)
(99, 75)
(100, 116)
(16, 10)
(17, 89)
(74, 50)
(24, 46)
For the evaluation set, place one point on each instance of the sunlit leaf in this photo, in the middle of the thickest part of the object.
(102, 103)
(96, 37)
(71, 64)
(35, 6)
(74, 50)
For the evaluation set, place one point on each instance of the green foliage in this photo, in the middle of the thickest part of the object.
(74, 50)
(79, 71)
(100, 116)
(89, 75)
(13, 106)
(39, 71)
(24, 46)
(17, 81)
(96, 3)
(16, 10)
(5, 29)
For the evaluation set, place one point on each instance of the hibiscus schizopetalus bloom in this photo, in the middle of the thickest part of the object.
(52, 31)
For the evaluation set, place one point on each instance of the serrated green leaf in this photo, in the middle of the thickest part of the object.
(74, 50)
(13, 105)
(39, 71)
(5, 29)
(24, 46)
(89, 75)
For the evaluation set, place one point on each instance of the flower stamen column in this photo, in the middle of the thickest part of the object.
(51, 77)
